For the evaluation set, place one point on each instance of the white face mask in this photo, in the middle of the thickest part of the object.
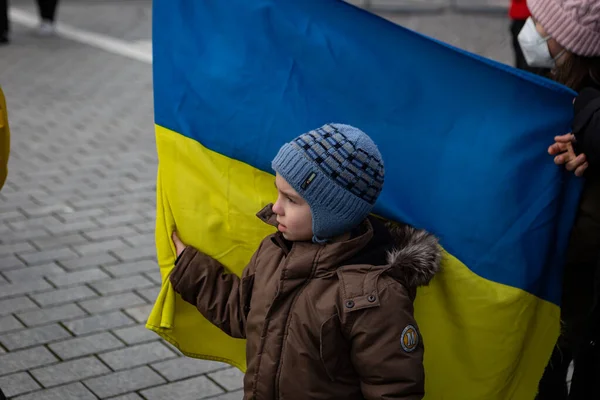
(535, 47)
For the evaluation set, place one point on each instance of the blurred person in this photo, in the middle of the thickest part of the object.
(47, 9)
(565, 37)
(4, 24)
(519, 13)
(580, 152)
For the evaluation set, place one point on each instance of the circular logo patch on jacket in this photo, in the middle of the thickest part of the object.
(410, 338)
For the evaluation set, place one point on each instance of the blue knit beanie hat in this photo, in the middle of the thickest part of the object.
(338, 171)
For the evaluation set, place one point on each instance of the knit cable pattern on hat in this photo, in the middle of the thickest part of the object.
(574, 24)
(350, 167)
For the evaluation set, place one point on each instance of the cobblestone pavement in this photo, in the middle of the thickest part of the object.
(77, 259)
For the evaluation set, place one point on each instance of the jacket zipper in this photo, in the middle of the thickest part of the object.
(287, 321)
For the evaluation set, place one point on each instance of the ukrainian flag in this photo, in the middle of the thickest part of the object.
(464, 140)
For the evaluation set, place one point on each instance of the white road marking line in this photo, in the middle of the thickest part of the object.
(140, 51)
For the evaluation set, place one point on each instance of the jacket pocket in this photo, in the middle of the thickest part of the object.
(331, 343)
(246, 294)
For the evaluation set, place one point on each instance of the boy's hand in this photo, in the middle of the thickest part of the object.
(179, 245)
(563, 150)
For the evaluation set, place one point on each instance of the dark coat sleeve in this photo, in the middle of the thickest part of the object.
(586, 127)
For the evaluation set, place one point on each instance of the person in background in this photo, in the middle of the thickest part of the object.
(518, 13)
(580, 152)
(565, 37)
(47, 9)
(4, 24)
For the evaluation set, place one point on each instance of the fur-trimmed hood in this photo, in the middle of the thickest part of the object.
(416, 255)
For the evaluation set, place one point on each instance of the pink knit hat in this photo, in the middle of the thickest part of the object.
(574, 24)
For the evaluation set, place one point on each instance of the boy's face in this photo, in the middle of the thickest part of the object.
(293, 213)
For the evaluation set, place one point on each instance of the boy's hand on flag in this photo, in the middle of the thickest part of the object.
(179, 245)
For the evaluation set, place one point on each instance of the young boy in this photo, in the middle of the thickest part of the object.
(326, 303)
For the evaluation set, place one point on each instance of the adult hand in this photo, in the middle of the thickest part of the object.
(565, 155)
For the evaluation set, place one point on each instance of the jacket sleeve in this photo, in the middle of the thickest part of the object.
(586, 127)
(387, 351)
(221, 297)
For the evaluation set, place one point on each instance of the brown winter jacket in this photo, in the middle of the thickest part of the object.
(328, 321)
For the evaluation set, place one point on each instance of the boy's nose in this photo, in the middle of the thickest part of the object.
(277, 208)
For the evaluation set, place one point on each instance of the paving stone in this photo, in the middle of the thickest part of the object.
(72, 227)
(15, 384)
(130, 396)
(32, 223)
(120, 220)
(125, 381)
(98, 323)
(136, 240)
(125, 269)
(50, 242)
(69, 371)
(34, 336)
(88, 261)
(190, 389)
(81, 215)
(185, 367)
(79, 277)
(231, 378)
(60, 296)
(45, 256)
(138, 253)
(155, 276)
(140, 314)
(39, 271)
(83, 346)
(11, 215)
(145, 227)
(105, 233)
(237, 395)
(135, 334)
(101, 247)
(10, 262)
(24, 287)
(172, 347)
(19, 236)
(10, 323)
(121, 284)
(136, 355)
(74, 391)
(53, 314)
(150, 294)
(25, 359)
(39, 211)
(19, 247)
(103, 191)
(16, 304)
(108, 303)
(94, 203)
